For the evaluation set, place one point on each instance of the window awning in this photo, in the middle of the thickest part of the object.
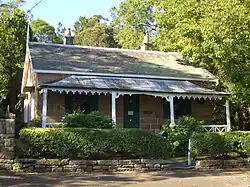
(130, 85)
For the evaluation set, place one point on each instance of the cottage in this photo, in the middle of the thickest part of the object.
(138, 88)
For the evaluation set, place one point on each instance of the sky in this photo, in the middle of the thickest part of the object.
(68, 11)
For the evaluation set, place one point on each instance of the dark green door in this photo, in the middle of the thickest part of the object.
(131, 111)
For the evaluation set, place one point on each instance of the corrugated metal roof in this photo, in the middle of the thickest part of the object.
(55, 57)
(131, 84)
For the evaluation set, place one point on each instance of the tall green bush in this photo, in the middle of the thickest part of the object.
(75, 143)
(179, 135)
(92, 120)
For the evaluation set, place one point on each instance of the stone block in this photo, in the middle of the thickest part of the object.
(89, 169)
(83, 162)
(107, 162)
(82, 166)
(64, 162)
(39, 166)
(113, 168)
(29, 169)
(10, 142)
(6, 161)
(150, 165)
(165, 166)
(9, 149)
(157, 166)
(10, 126)
(7, 155)
(135, 161)
(124, 169)
(100, 168)
(229, 163)
(209, 164)
(128, 166)
(2, 128)
(6, 166)
(154, 169)
(80, 170)
(154, 161)
(27, 165)
(56, 169)
(91, 162)
(77, 162)
(139, 165)
(69, 169)
(25, 161)
(7, 136)
(49, 162)
(125, 162)
(42, 170)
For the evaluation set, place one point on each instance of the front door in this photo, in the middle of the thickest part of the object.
(131, 111)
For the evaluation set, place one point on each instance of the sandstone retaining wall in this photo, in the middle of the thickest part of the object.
(7, 139)
(66, 165)
(221, 164)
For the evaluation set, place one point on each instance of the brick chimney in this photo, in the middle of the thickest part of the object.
(146, 43)
(68, 39)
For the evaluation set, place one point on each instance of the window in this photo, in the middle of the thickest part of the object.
(182, 107)
(88, 103)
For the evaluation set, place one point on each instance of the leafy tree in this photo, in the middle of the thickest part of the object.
(7, 5)
(212, 34)
(94, 31)
(44, 32)
(132, 20)
(60, 31)
(12, 52)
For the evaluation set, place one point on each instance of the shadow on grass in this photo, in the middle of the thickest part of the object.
(11, 179)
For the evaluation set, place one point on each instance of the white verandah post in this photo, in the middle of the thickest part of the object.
(171, 99)
(228, 116)
(114, 96)
(44, 112)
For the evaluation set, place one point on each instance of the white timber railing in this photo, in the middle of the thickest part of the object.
(216, 128)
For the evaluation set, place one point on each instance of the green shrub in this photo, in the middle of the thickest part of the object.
(75, 143)
(234, 141)
(91, 120)
(208, 144)
(35, 123)
(217, 144)
(245, 143)
(179, 135)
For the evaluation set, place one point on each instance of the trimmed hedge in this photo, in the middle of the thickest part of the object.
(219, 144)
(79, 119)
(76, 143)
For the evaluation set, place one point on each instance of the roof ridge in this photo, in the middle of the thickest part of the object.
(103, 48)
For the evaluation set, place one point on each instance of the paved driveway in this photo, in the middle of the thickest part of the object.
(154, 179)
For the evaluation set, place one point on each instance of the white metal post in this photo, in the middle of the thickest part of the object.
(32, 106)
(189, 153)
(114, 107)
(171, 99)
(228, 116)
(44, 112)
(26, 110)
